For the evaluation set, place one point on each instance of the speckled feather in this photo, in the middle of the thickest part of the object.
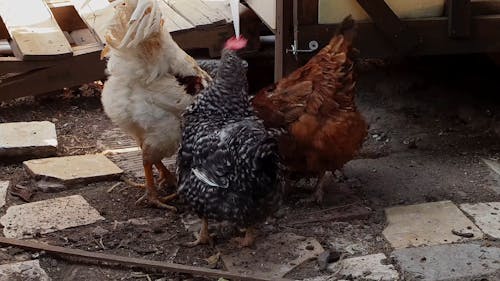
(228, 162)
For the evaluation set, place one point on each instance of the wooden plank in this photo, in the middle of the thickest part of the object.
(485, 34)
(284, 61)
(308, 11)
(266, 10)
(404, 39)
(196, 12)
(174, 21)
(16, 65)
(85, 66)
(223, 7)
(95, 13)
(213, 38)
(4, 34)
(34, 30)
(459, 17)
(144, 264)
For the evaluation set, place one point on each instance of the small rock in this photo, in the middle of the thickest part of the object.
(462, 234)
(4, 185)
(138, 221)
(99, 231)
(326, 258)
(309, 247)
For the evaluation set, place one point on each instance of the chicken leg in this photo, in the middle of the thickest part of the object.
(151, 192)
(319, 190)
(203, 238)
(248, 239)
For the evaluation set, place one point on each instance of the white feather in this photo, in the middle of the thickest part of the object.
(235, 13)
(201, 176)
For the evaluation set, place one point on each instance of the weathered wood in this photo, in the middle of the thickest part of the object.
(395, 30)
(36, 32)
(284, 61)
(95, 14)
(174, 21)
(459, 18)
(308, 11)
(144, 264)
(266, 10)
(85, 66)
(485, 31)
(213, 38)
(68, 18)
(196, 12)
(4, 34)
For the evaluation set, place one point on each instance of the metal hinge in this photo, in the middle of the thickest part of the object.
(313, 46)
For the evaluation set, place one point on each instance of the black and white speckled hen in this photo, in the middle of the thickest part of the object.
(228, 162)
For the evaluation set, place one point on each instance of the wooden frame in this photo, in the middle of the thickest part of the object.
(457, 32)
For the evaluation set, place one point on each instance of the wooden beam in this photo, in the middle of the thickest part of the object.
(144, 264)
(485, 31)
(197, 12)
(459, 18)
(82, 68)
(400, 35)
(4, 34)
(284, 61)
(34, 29)
(308, 11)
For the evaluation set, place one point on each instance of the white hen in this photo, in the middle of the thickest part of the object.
(144, 94)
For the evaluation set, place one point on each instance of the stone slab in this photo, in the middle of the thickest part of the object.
(28, 140)
(26, 270)
(457, 262)
(4, 186)
(428, 224)
(74, 169)
(486, 217)
(369, 267)
(282, 252)
(28, 220)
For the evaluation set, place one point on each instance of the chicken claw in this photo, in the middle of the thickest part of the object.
(248, 240)
(203, 238)
(157, 202)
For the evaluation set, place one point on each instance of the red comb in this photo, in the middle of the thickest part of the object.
(235, 44)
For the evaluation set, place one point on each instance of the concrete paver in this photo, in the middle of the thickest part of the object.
(428, 224)
(449, 262)
(486, 217)
(74, 169)
(28, 220)
(28, 140)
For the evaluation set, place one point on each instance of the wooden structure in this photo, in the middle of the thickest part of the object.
(47, 45)
(464, 26)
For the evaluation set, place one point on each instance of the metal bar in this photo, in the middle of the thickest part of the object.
(131, 262)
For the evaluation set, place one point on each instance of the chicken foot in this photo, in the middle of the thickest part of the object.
(151, 193)
(319, 190)
(203, 238)
(248, 239)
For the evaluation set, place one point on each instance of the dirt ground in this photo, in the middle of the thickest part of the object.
(432, 120)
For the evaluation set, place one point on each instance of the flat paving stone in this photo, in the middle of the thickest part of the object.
(486, 217)
(4, 185)
(28, 220)
(282, 253)
(428, 224)
(74, 169)
(457, 262)
(370, 267)
(28, 140)
(26, 271)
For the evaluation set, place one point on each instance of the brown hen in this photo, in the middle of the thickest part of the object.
(315, 106)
